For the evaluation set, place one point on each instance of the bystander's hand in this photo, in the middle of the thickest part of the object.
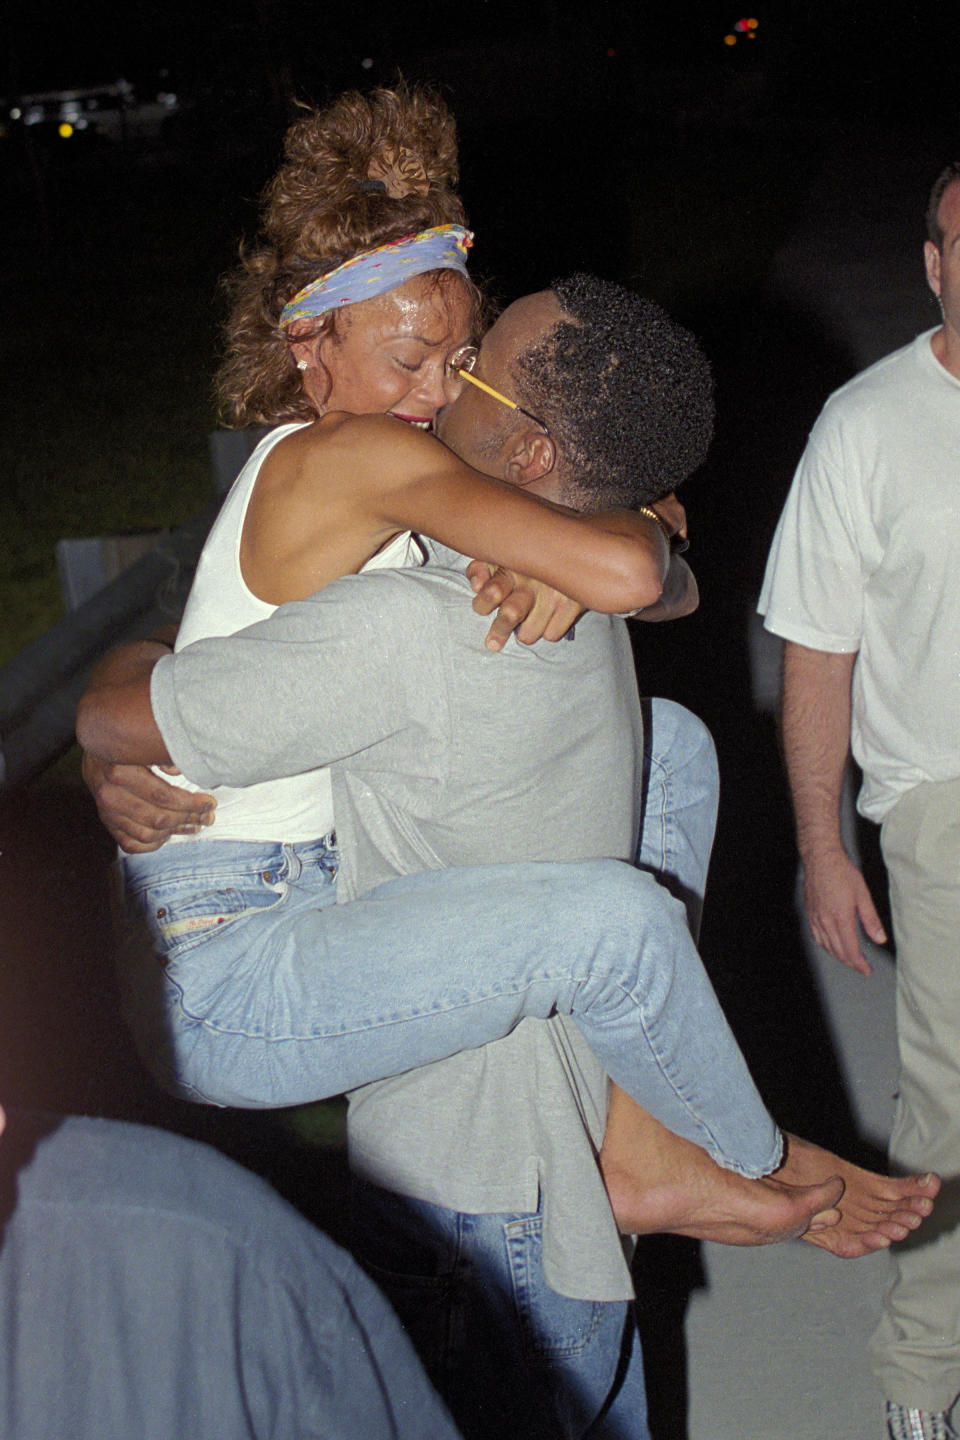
(140, 809)
(835, 897)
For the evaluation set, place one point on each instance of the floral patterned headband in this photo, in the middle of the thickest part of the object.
(373, 272)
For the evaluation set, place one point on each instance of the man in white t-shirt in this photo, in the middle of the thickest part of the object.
(862, 584)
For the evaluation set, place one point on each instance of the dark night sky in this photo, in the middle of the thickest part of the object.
(898, 55)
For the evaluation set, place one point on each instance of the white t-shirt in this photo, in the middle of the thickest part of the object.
(296, 808)
(866, 559)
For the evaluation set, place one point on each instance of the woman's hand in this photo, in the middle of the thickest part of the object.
(527, 608)
(672, 513)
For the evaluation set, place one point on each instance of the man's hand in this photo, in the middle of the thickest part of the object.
(524, 607)
(835, 897)
(816, 744)
(140, 810)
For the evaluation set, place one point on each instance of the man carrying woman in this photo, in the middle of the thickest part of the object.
(436, 761)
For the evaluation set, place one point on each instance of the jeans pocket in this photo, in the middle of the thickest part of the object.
(552, 1326)
(181, 913)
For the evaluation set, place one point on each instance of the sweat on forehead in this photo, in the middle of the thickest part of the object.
(421, 308)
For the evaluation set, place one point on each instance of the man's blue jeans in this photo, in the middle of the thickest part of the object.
(509, 1355)
(262, 992)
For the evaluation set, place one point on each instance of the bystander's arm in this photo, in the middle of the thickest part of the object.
(816, 742)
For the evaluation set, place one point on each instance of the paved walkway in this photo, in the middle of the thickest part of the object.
(776, 1339)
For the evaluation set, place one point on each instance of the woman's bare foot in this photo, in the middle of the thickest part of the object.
(876, 1209)
(671, 1185)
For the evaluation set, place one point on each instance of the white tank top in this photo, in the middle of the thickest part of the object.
(299, 807)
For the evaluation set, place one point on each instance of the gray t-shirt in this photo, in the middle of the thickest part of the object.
(443, 754)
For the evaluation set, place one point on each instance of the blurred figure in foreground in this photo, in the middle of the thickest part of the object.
(149, 1287)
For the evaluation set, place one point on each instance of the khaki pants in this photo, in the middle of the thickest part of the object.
(916, 1347)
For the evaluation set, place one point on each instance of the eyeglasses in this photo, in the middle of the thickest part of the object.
(462, 361)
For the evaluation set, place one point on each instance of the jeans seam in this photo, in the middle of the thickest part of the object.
(520, 1237)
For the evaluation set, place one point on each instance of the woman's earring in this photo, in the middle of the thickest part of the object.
(303, 365)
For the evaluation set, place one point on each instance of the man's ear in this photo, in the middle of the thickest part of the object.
(931, 257)
(531, 457)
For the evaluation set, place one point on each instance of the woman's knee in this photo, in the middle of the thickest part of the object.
(681, 737)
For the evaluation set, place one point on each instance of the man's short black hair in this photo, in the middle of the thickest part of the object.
(944, 180)
(624, 390)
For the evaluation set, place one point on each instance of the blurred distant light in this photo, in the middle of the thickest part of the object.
(16, 113)
(366, 63)
(753, 24)
(611, 53)
(729, 39)
(65, 130)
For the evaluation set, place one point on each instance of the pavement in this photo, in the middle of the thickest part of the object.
(776, 1337)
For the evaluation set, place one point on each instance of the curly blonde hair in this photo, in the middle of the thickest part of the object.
(366, 170)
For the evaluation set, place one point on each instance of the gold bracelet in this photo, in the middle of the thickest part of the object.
(650, 514)
(676, 543)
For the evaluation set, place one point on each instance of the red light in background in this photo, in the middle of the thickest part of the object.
(746, 27)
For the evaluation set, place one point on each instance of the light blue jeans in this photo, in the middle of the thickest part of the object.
(508, 1354)
(262, 992)
(678, 806)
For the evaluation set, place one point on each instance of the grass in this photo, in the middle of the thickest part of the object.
(109, 282)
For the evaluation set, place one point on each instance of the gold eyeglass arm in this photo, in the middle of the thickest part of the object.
(482, 385)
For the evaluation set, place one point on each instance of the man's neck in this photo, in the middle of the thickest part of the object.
(945, 344)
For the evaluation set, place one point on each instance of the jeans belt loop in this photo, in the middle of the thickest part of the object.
(294, 865)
